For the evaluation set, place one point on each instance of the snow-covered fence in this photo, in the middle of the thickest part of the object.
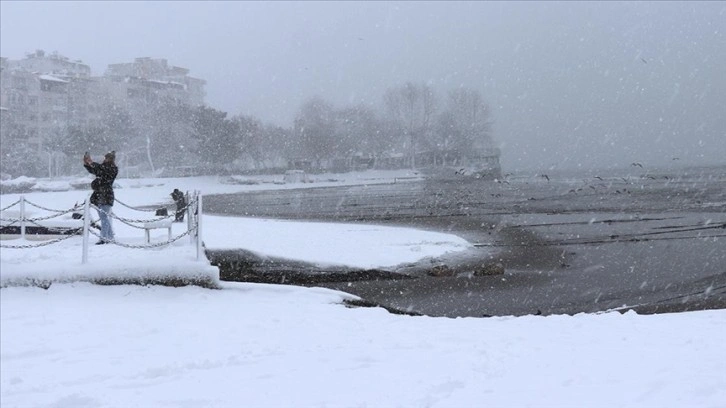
(193, 210)
(23, 221)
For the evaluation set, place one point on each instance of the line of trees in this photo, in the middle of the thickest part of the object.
(411, 119)
(167, 135)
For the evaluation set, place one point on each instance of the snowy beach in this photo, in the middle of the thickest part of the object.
(362, 204)
(78, 344)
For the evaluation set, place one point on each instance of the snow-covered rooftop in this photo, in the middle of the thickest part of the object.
(47, 77)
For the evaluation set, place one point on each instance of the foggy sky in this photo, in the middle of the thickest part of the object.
(570, 84)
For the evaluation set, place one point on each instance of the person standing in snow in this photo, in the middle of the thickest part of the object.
(181, 204)
(102, 186)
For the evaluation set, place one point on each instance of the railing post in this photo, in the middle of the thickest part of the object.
(188, 210)
(22, 217)
(86, 224)
(199, 225)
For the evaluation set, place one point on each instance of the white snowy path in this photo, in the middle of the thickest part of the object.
(79, 345)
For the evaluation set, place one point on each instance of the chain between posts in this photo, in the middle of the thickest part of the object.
(11, 205)
(134, 208)
(76, 207)
(129, 221)
(42, 244)
(150, 209)
(193, 227)
(156, 245)
(51, 216)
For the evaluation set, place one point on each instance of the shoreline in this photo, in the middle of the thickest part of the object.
(650, 245)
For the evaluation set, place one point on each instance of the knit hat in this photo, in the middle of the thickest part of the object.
(111, 155)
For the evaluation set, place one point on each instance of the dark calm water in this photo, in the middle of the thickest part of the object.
(570, 242)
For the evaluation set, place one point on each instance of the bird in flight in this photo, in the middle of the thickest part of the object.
(637, 164)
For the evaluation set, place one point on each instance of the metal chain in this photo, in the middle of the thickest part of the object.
(67, 231)
(79, 231)
(148, 210)
(129, 223)
(40, 218)
(51, 216)
(159, 244)
(134, 208)
(11, 205)
(77, 206)
(36, 224)
(128, 220)
(46, 243)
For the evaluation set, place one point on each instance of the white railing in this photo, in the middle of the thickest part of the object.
(193, 211)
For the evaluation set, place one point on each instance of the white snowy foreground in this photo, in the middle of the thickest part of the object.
(82, 345)
(252, 345)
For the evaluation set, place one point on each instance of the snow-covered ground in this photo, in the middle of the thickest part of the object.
(81, 345)
(78, 345)
(353, 245)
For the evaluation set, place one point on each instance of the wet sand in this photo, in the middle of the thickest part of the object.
(569, 243)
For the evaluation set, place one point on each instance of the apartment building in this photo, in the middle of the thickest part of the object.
(42, 94)
(149, 80)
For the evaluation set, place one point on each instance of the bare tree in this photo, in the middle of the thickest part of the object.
(465, 126)
(413, 107)
(164, 135)
(218, 139)
(357, 128)
(277, 144)
(314, 130)
(253, 139)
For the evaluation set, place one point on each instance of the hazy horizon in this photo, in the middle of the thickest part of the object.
(570, 84)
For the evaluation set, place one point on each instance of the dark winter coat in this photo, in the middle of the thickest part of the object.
(177, 196)
(102, 185)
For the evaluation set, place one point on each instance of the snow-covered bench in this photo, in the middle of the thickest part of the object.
(148, 226)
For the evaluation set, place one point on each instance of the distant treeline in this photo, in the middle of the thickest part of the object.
(168, 135)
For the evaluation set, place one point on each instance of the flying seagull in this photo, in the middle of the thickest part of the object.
(637, 164)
